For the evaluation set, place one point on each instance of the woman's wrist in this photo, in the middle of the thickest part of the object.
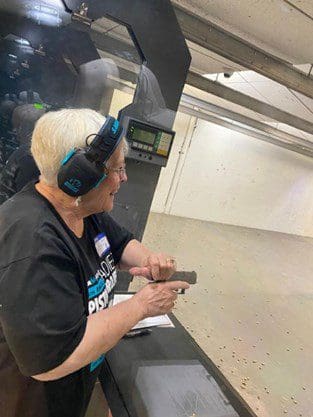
(139, 306)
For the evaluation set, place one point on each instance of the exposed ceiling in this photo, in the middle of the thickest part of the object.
(281, 28)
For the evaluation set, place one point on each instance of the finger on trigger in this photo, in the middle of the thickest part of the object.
(177, 285)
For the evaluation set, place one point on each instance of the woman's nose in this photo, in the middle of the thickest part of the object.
(124, 176)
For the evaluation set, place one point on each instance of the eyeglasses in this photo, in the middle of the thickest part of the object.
(120, 171)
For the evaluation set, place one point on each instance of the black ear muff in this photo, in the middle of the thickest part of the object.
(78, 175)
(83, 169)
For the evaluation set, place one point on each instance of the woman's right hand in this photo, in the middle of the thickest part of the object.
(158, 298)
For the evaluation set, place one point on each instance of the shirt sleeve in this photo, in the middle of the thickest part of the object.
(42, 312)
(117, 235)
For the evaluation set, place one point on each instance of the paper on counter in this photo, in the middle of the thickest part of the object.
(160, 321)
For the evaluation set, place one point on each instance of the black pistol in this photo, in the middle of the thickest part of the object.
(187, 276)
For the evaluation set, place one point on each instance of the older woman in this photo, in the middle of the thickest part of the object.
(58, 270)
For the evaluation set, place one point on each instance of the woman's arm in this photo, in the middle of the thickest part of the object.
(106, 327)
(103, 330)
(134, 254)
(139, 260)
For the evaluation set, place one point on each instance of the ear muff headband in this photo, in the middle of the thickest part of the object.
(82, 169)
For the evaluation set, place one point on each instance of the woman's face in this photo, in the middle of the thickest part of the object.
(102, 198)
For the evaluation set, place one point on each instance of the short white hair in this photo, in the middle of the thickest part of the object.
(57, 132)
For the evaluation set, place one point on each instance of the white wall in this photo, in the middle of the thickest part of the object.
(170, 176)
(219, 175)
(228, 177)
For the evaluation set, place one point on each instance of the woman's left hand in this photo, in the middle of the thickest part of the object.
(158, 266)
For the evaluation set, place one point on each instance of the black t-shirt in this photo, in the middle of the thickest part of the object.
(50, 281)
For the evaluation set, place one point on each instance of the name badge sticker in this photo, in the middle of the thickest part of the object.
(101, 243)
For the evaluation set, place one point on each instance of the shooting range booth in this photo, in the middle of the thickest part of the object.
(57, 54)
